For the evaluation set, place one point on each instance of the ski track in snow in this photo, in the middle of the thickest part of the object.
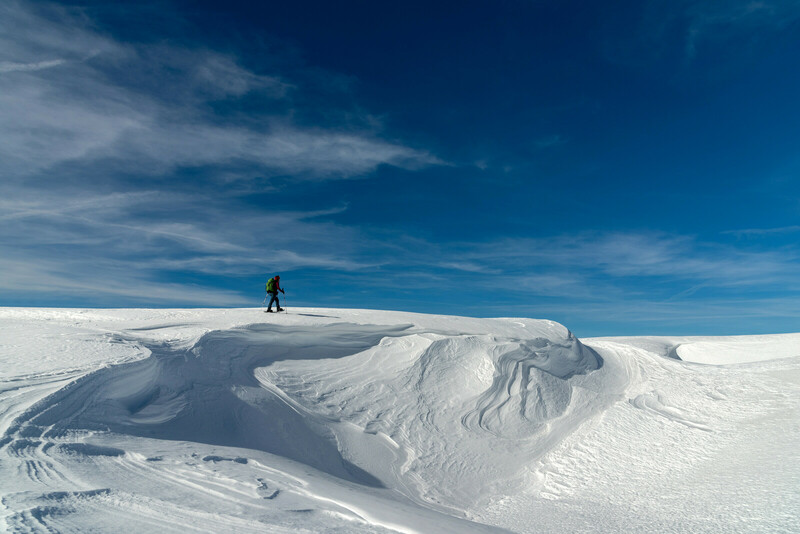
(360, 421)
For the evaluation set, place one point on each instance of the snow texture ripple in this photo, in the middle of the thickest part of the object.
(368, 421)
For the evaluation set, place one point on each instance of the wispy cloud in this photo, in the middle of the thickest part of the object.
(109, 244)
(127, 167)
(605, 266)
(95, 134)
(153, 106)
(756, 232)
(113, 243)
(102, 282)
(10, 66)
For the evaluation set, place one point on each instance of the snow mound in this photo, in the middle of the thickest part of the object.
(716, 350)
(381, 406)
(740, 349)
(447, 412)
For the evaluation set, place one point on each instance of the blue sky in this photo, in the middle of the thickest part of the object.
(622, 168)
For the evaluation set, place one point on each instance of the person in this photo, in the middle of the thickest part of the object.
(273, 286)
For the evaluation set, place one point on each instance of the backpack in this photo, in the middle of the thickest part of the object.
(271, 285)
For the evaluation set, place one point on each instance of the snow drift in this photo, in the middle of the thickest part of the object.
(272, 388)
(367, 421)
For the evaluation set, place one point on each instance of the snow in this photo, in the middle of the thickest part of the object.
(327, 420)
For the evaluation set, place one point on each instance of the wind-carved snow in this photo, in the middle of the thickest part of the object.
(530, 386)
(448, 408)
(208, 394)
(355, 421)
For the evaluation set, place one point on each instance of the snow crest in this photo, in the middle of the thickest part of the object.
(380, 406)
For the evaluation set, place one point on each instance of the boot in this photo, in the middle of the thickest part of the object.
(280, 309)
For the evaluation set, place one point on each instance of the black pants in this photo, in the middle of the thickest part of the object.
(275, 300)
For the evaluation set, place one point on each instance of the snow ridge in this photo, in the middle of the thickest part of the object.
(365, 421)
(409, 392)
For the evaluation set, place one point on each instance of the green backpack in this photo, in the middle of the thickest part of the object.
(271, 285)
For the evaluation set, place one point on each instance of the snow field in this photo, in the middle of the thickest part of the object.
(370, 421)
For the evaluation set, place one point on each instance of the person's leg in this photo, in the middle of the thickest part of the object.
(271, 300)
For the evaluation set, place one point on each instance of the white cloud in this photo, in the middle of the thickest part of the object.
(116, 249)
(122, 241)
(36, 32)
(90, 127)
(758, 232)
(10, 66)
(600, 265)
(114, 107)
(135, 238)
(103, 281)
(314, 153)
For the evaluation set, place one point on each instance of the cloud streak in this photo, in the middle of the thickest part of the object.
(108, 244)
(759, 232)
(103, 283)
(96, 133)
(636, 254)
(69, 95)
(10, 66)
